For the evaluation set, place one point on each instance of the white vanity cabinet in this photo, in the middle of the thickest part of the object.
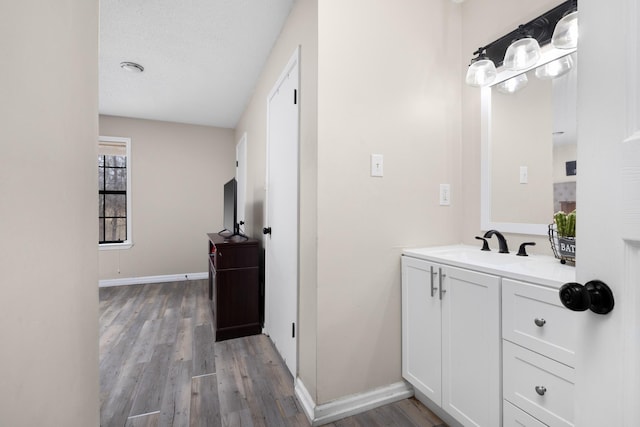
(451, 339)
(538, 356)
(485, 337)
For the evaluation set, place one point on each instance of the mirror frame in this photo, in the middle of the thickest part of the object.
(547, 55)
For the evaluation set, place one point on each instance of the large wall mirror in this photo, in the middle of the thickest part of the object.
(529, 150)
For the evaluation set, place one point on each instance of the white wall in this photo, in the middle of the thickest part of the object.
(388, 83)
(178, 174)
(380, 75)
(48, 181)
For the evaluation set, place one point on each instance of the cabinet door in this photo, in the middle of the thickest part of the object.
(238, 298)
(471, 347)
(421, 327)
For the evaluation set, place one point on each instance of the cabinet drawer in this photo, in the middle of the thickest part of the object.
(534, 317)
(516, 417)
(235, 256)
(524, 371)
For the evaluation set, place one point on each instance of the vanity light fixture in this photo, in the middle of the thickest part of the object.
(523, 53)
(514, 84)
(132, 67)
(565, 35)
(553, 69)
(481, 71)
(520, 49)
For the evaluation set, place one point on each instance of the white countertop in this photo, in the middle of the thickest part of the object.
(539, 269)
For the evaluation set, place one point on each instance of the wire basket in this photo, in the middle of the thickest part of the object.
(564, 248)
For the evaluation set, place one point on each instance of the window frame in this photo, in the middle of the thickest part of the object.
(127, 244)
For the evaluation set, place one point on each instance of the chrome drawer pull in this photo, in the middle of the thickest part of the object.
(539, 322)
(541, 390)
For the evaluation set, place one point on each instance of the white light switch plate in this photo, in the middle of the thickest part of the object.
(376, 165)
(445, 194)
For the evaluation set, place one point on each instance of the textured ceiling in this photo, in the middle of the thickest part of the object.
(201, 58)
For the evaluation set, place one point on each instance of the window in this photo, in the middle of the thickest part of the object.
(114, 192)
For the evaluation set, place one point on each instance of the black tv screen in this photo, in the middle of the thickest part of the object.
(230, 220)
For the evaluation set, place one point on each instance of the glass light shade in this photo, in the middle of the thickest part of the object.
(481, 73)
(514, 84)
(555, 68)
(565, 35)
(522, 54)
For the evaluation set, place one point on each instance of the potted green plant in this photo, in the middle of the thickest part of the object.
(565, 225)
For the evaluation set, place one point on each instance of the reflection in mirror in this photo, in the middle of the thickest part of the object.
(564, 140)
(529, 144)
(521, 153)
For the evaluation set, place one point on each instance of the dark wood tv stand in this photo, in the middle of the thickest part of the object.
(234, 287)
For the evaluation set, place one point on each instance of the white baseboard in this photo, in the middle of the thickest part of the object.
(349, 405)
(305, 399)
(152, 279)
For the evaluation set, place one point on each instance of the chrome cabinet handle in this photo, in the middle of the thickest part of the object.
(441, 276)
(539, 322)
(541, 390)
(433, 288)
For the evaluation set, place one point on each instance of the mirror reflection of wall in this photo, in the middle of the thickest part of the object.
(533, 128)
(521, 137)
(564, 140)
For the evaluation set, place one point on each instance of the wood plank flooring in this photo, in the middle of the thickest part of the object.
(159, 366)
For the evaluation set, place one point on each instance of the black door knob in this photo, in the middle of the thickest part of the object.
(594, 295)
(266, 230)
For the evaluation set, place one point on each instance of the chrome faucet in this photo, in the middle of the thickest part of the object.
(502, 242)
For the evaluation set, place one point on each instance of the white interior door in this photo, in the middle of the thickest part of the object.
(241, 178)
(281, 244)
(608, 221)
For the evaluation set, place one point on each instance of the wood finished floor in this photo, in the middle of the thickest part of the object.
(159, 366)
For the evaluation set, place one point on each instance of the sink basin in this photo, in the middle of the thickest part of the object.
(544, 269)
(471, 255)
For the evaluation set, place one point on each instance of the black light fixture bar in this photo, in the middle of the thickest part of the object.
(540, 28)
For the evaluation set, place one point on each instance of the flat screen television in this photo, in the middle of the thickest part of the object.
(230, 217)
